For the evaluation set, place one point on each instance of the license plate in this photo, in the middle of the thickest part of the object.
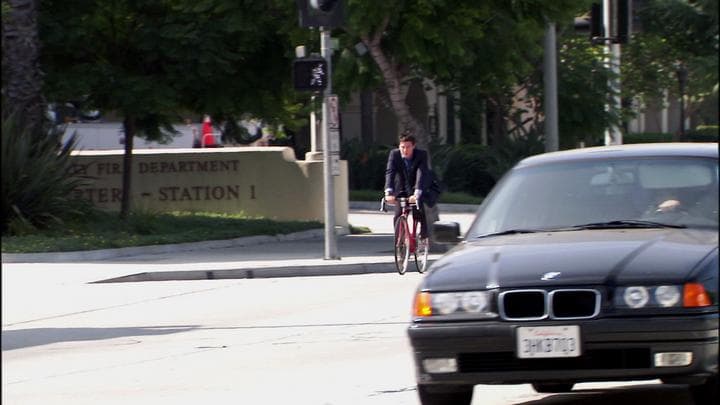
(548, 341)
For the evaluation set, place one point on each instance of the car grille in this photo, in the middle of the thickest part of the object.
(601, 359)
(533, 305)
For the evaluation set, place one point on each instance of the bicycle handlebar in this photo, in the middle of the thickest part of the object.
(404, 201)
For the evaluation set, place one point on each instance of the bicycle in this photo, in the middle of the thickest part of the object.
(405, 241)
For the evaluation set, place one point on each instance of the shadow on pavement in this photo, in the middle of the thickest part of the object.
(656, 394)
(22, 338)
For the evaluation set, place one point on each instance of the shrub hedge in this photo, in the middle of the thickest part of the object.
(461, 168)
(366, 164)
(470, 168)
(703, 133)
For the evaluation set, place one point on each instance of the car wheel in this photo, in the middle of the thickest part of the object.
(553, 387)
(706, 393)
(445, 394)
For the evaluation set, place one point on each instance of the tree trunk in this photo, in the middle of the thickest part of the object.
(21, 75)
(391, 76)
(129, 131)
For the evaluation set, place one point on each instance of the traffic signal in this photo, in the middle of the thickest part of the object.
(621, 24)
(310, 74)
(624, 21)
(596, 21)
(323, 6)
(321, 13)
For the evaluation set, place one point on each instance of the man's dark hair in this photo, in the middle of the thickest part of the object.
(407, 136)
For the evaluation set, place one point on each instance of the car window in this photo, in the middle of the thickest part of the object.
(663, 175)
(575, 193)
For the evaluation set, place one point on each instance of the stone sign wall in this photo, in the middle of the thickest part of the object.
(257, 181)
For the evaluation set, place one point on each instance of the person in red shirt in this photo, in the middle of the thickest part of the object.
(208, 139)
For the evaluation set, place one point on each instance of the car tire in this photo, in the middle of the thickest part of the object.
(707, 392)
(553, 387)
(445, 394)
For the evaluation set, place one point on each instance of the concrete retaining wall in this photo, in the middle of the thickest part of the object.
(257, 181)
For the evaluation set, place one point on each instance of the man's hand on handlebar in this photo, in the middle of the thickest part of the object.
(389, 198)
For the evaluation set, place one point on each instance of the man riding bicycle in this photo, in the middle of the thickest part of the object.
(407, 175)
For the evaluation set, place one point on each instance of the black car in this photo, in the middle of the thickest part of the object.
(596, 264)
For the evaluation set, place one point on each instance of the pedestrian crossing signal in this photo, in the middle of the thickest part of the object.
(310, 74)
(321, 13)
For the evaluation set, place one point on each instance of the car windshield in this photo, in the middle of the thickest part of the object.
(641, 192)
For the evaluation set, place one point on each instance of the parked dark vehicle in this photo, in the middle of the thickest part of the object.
(597, 264)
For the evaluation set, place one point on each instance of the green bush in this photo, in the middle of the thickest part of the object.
(703, 133)
(467, 170)
(365, 195)
(446, 197)
(366, 165)
(36, 184)
(647, 137)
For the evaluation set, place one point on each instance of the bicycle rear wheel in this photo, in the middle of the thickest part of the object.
(421, 255)
(402, 245)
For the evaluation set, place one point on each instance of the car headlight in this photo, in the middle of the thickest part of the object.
(470, 303)
(446, 303)
(636, 297)
(474, 302)
(662, 296)
(667, 295)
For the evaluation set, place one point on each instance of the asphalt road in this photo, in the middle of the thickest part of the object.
(304, 340)
(324, 340)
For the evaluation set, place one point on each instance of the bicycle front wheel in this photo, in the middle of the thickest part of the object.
(402, 245)
(421, 255)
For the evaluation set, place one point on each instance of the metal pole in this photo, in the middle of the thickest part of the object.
(551, 98)
(616, 83)
(613, 136)
(313, 127)
(682, 80)
(330, 243)
(682, 116)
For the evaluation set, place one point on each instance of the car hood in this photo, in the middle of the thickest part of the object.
(583, 257)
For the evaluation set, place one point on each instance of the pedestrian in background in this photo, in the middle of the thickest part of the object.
(196, 142)
(208, 138)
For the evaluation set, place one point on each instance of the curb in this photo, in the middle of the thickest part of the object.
(265, 272)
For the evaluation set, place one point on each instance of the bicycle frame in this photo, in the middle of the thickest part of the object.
(406, 238)
(406, 212)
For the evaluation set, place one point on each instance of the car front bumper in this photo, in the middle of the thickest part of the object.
(611, 349)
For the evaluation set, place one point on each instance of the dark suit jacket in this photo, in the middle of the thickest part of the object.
(401, 181)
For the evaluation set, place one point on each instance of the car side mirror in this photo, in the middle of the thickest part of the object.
(446, 232)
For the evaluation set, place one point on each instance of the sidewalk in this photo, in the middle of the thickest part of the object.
(293, 255)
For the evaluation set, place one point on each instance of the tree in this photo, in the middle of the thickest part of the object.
(676, 34)
(21, 75)
(453, 42)
(583, 93)
(150, 61)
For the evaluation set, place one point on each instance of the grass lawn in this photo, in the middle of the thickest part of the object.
(106, 230)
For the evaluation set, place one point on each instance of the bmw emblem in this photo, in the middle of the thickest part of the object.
(550, 275)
